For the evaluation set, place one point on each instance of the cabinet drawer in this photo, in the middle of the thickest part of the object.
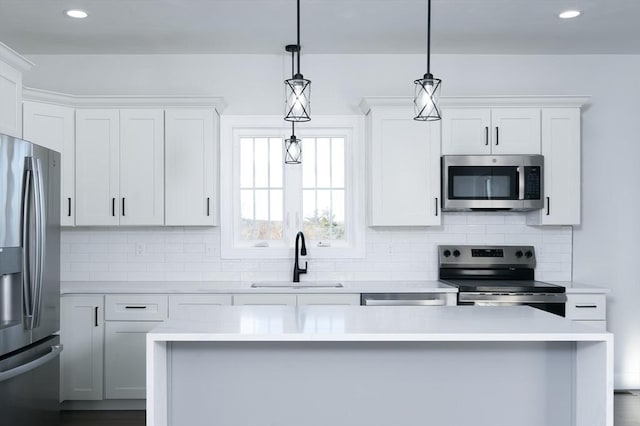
(591, 307)
(130, 307)
(598, 325)
(196, 306)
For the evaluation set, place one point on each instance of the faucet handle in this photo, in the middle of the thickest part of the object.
(304, 271)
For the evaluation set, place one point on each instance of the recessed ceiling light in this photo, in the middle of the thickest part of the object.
(568, 14)
(76, 13)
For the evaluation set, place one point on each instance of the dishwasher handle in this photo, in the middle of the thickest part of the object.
(403, 302)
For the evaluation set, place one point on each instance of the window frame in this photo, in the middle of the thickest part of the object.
(234, 127)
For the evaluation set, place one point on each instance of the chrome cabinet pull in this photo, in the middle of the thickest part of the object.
(208, 206)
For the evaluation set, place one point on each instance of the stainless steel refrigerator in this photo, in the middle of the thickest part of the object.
(29, 283)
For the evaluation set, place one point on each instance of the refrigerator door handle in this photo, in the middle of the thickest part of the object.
(41, 244)
(32, 365)
(27, 289)
(33, 186)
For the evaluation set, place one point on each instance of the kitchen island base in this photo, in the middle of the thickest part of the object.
(436, 379)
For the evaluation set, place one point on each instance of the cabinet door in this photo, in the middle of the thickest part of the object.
(141, 167)
(404, 169)
(466, 131)
(53, 126)
(97, 140)
(195, 307)
(125, 359)
(190, 166)
(515, 131)
(561, 150)
(329, 299)
(82, 334)
(10, 101)
(265, 299)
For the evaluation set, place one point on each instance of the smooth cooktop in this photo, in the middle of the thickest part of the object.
(521, 286)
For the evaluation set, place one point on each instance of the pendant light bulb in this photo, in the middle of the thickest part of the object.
(292, 148)
(427, 89)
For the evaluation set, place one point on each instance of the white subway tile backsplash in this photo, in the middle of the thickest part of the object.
(193, 254)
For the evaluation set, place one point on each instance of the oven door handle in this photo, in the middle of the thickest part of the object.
(512, 297)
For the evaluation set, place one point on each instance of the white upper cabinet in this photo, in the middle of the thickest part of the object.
(141, 167)
(97, 158)
(11, 67)
(191, 167)
(484, 131)
(53, 126)
(119, 167)
(403, 165)
(561, 150)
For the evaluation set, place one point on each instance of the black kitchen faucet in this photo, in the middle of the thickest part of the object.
(297, 270)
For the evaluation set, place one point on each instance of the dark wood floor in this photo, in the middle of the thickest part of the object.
(103, 418)
(626, 413)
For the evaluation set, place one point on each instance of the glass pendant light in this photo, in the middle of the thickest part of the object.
(297, 89)
(292, 148)
(427, 89)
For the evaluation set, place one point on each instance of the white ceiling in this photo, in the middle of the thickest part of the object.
(328, 26)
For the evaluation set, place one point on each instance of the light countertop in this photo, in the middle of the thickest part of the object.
(237, 287)
(356, 323)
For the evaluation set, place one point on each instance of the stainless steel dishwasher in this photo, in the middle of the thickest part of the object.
(403, 299)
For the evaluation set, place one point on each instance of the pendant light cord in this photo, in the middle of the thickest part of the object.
(428, 36)
(298, 3)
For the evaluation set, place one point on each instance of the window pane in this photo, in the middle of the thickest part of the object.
(276, 214)
(337, 205)
(323, 162)
(246, 162)
(324, 214)
(308, 162)
(337, 162)
(275, 162)
(262, 162)
(246, 215)
(309, 213)
(262, 214)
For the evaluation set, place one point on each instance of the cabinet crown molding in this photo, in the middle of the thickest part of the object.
(13, 58)
(481, 101)
(122, 101)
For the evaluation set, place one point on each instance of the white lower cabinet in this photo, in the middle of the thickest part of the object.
(82, 335)
(196, 307)
(328, 299)
(265, 299)
(587, 308)
(125, 359)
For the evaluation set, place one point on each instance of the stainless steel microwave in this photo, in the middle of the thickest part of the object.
(492, 182)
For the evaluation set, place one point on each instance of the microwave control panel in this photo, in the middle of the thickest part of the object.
(532, 181)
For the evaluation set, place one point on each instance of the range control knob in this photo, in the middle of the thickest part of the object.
(528, 254)
(446, 253)
(519, 254)
(456, 253)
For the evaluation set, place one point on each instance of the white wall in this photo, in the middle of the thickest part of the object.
(604, 245)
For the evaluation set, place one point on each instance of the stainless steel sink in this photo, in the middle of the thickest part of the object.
(309, 284)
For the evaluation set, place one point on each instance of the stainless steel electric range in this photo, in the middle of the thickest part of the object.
(498, 276)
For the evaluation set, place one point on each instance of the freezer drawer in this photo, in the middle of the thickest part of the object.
(30, 385)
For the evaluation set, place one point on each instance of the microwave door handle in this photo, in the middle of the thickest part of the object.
(521, 177)
(487, 188)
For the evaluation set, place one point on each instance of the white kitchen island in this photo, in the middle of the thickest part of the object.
(379, 366)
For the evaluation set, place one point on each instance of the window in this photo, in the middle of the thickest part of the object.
(268, 202)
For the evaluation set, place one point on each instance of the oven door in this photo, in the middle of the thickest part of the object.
(549, 302)
(491, 182)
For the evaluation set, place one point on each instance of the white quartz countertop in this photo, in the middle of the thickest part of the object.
(357, 323)
(348, 287)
